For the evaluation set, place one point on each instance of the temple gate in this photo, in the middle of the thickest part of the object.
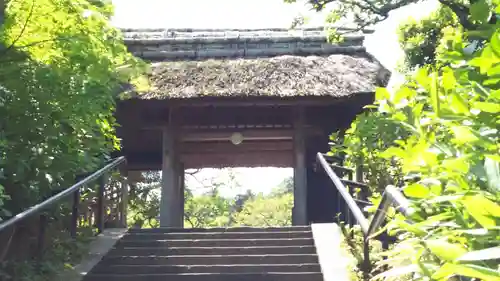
(247, 98)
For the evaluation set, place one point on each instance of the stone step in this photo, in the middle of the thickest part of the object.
(220, 229)
(217, 235)
(214, 242)
(210, 259)
(271, 276)
(229, 268)
(180, 251)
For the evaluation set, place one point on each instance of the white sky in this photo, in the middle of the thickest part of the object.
(256, 14)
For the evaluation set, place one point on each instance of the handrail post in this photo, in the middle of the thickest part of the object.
(355, 210)
(124, 198)
(359, 170)
(75, 214)
(100, 204)
(42, 227)
(366, 259)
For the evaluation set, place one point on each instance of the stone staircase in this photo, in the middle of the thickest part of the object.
(264, 254)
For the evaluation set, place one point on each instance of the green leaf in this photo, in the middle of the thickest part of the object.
(485, 61)
(482, 210)
(411, 228)
(433, 220)
(435, 94)
(449, 82)
(458, 104)
(481, 255)
(463, 134)
(468, 270)
(422, 77)
(487, 107)
(456, 164)
(445, 250)
(382, 94)
(495, 42)
(495, 94)
(393, 152)
(480, 11)
(417, 191)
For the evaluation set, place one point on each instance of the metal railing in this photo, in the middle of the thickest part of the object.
(391, 196)
(104, 194)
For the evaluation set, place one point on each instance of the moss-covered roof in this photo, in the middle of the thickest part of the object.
(244, 63)
(336, 75)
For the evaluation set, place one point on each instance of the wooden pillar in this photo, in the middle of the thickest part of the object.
(320, 191)
(182, 175)
(299, 214)
(169, 203)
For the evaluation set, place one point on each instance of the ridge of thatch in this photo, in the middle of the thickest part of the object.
(194, 44)
(337, 75)
(158, 33)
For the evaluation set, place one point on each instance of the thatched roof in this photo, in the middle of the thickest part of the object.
(232, 63)
(336, 75)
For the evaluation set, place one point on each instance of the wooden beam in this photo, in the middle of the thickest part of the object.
(262, 101)
(202, 148)
(153, 162)
(214, 134)
(249, 159)
(248, 135)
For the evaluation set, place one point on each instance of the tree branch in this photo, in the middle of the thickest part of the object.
(23, 29)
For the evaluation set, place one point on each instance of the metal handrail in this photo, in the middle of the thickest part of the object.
(61, 195)
(391, 196)
(358, 214)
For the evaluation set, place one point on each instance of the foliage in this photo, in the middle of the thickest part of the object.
(286, 186)
(454, 117)
(144, 201)
(362, 143)
(352, 245)
(62, 64)
(450, 113)
(420, 40)
(209, 208)
(266, 211)
(365, 13)
(20, 258)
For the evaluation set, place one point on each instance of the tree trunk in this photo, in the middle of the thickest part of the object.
(3, 5)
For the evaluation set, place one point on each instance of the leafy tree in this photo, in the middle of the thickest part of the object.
(144, 201)
(240, 201)
(62, 65)
(266, 211)
(286, 186)
(208, 210)
(449, 112)
(420, 40)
